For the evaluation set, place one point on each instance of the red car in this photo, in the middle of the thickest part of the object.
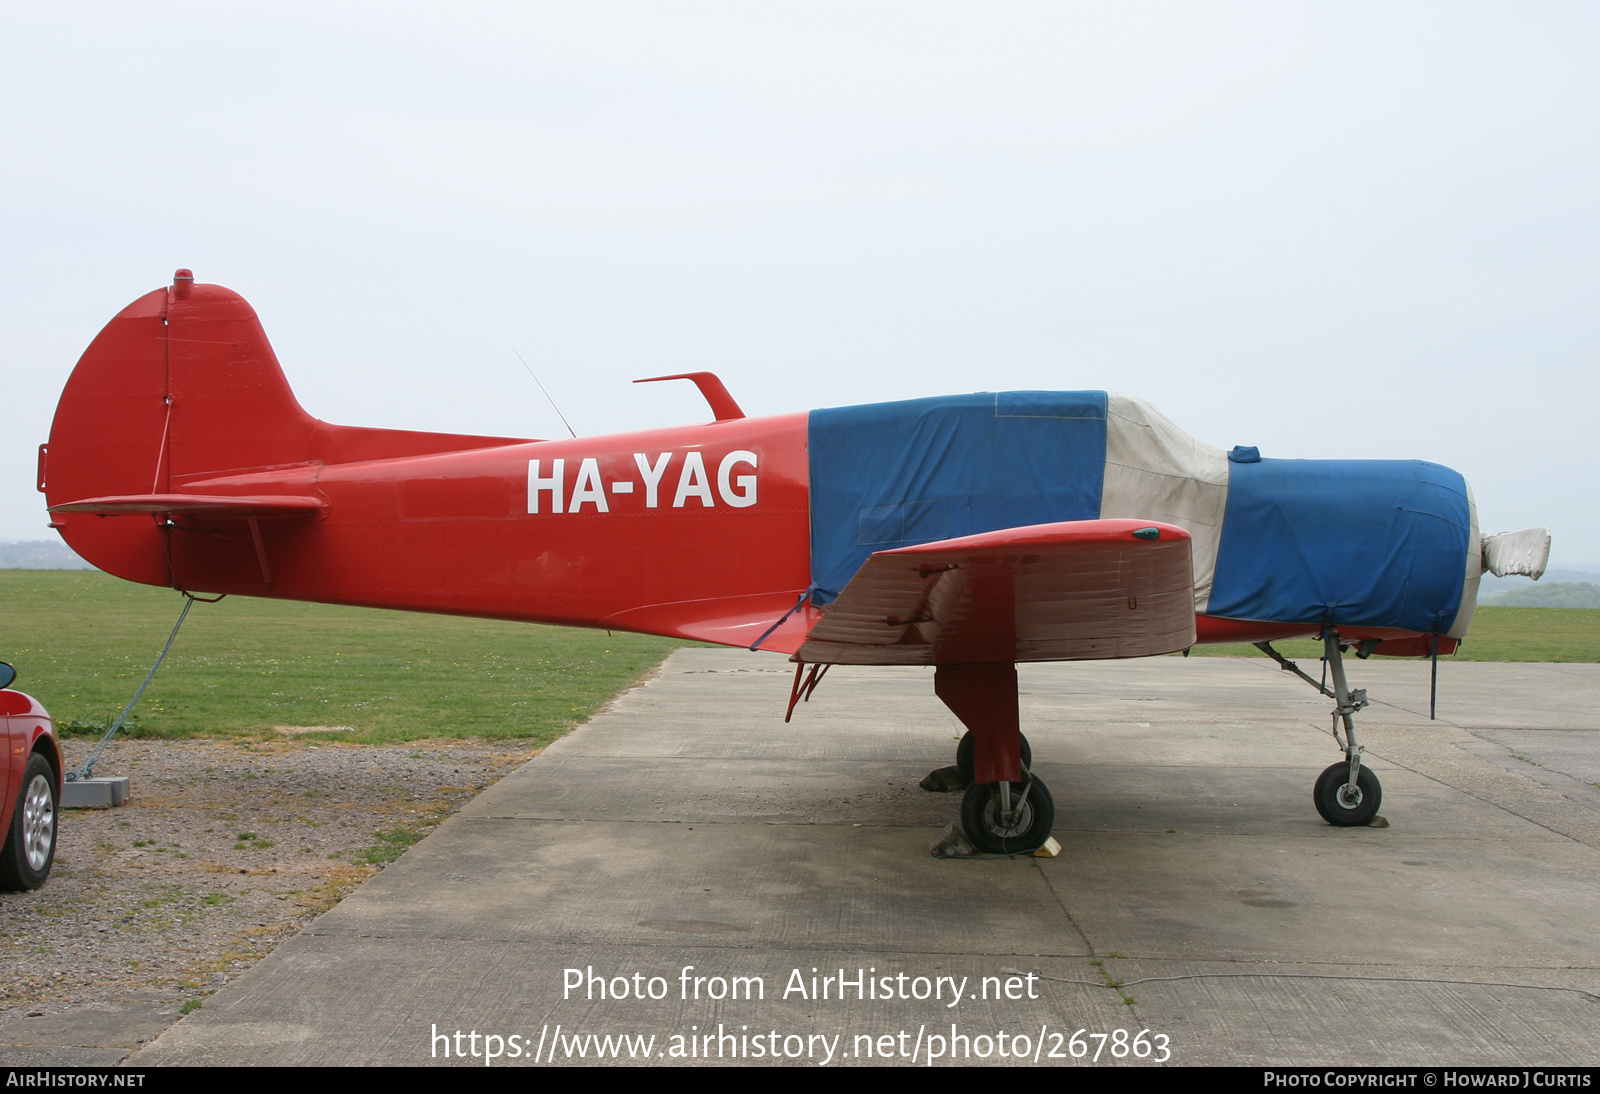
(32, 787)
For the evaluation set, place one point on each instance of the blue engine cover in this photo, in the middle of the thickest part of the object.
(1377, 543)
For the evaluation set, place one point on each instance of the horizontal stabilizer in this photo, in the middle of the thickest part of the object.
(1071, 591)
(1525, 553)
(199, 505)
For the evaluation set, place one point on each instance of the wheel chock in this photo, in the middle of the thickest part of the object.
(1050, 848)
(952, 843)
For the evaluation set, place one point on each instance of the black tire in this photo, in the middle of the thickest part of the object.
(981, 820)
(31, 841)
(1343, 813)
(967, 757)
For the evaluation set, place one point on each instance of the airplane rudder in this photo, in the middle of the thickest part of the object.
(179, 384)
(106, 439)
(232, 407)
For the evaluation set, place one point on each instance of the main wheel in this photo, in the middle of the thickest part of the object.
(967, 757)
(31, 843)
(1345, 805)
(991, 829)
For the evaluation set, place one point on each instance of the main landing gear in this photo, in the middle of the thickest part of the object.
(1347, 794)
(1006, 818)
(967, 757)
(1007, 809)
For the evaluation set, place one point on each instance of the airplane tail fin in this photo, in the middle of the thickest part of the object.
(182, 385)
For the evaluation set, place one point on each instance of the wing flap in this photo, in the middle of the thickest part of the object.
(1071, 591)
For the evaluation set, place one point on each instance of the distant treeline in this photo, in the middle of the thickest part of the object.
(40, 554)
(1563, 594)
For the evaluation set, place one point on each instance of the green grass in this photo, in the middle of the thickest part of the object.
(390, 846)
(82, 641)
(1497, 634)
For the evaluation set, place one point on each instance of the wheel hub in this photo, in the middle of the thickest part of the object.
(38, 823)
(1350, 795)
(1008, 825)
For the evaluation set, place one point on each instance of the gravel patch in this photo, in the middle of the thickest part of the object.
(224, 849)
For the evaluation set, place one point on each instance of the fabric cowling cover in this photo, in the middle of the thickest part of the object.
(891, 475)
(1343, 542)
(1376, 543)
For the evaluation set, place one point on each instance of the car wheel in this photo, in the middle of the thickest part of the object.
(31, 843)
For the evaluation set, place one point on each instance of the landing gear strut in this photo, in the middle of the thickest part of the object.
(1346, 794)
(1007, 809)
(967, 752)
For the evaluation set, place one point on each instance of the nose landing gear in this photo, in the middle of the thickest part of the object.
(1347, 794)
(1345, 803)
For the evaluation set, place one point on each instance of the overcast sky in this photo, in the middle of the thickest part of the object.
(1329, 230)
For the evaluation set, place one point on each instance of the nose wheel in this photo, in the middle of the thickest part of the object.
(1344, 803)
(1007, 818)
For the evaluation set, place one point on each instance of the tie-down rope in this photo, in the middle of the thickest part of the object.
(86, 768)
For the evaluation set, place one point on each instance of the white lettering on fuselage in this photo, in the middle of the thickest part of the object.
(652, 475)
(746, 495)
(538, 485)
(692, 481)
(590, 488)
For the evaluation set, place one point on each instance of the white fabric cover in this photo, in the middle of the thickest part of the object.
(1474, 574)
(1156, 471)
(1526, 552)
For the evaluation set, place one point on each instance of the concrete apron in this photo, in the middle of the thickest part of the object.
(687, 834)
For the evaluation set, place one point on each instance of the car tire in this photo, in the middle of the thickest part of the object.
(30, 847)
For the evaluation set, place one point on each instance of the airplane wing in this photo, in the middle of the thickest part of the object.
(1072, 591)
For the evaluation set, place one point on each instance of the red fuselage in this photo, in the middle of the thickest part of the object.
(180, 457)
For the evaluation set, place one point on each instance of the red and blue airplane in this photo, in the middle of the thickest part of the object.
(968, 532)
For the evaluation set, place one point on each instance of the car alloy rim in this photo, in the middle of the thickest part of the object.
(38, 823)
